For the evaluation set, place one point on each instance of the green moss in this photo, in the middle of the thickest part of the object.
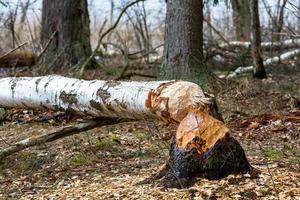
(295, 159)
(293, 153)
(286, 147)
(110, 129)
(141, 136)
(80, 159)
(265, 191)
(111, 71)
(29, 161)
(2, 113)
(199, 74)
(158, 148)
(241, 57)
(109, 144)
(273, 154)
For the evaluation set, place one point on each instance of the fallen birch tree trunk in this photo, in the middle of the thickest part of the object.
(267, 62)
(168, 100)
(202, 144)
(286, 44)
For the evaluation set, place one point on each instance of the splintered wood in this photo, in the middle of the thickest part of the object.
(200, 131)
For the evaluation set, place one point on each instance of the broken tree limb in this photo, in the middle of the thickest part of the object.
(17, 59)
(58, 134)
(286, 44)
(216, 31)
(199, 138)
(6, 54)
(267, 62)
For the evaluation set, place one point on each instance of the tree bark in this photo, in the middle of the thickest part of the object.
(199, 136)
(71, 44)
(259, 69)
(241, 19)
(168, 100)
(183, 52)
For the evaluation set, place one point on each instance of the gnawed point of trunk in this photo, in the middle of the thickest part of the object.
(200, 131)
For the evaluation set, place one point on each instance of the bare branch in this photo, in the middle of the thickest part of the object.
(61, 133)
(18, 47)
(106, 33)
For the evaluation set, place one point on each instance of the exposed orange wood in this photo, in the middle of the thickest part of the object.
(199, 130)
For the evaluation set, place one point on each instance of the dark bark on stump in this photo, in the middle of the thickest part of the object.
(224, 158)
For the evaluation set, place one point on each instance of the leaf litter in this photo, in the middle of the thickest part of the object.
(83, 167)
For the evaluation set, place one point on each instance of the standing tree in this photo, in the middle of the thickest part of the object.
(256, 51)
(200, 145)
(183, 52)
(241, 19)
(65, 24)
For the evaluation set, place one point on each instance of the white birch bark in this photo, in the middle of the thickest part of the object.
(292, 43)
(267, 62)
(169, 100)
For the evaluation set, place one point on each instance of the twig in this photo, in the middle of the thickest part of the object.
(127, 58)
(3, 4)
(6, 54)
(288, 34)
(106, 33)
(216, 31)
(46, 46)
(94, 52)
(269, 171)
(127, 76)
(61, 133)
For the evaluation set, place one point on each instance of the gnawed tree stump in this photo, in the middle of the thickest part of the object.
(203, 147)
(202, 144)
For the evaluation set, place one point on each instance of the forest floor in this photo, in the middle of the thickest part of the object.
(113, 162)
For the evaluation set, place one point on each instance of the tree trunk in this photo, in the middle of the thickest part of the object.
(259, 69)
(241, 19)
(183, 52)
(202, 144)
(168, 100)
(71, 43)
(199, 136)
(280, 21)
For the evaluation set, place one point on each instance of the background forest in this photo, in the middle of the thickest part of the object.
(244, 54)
